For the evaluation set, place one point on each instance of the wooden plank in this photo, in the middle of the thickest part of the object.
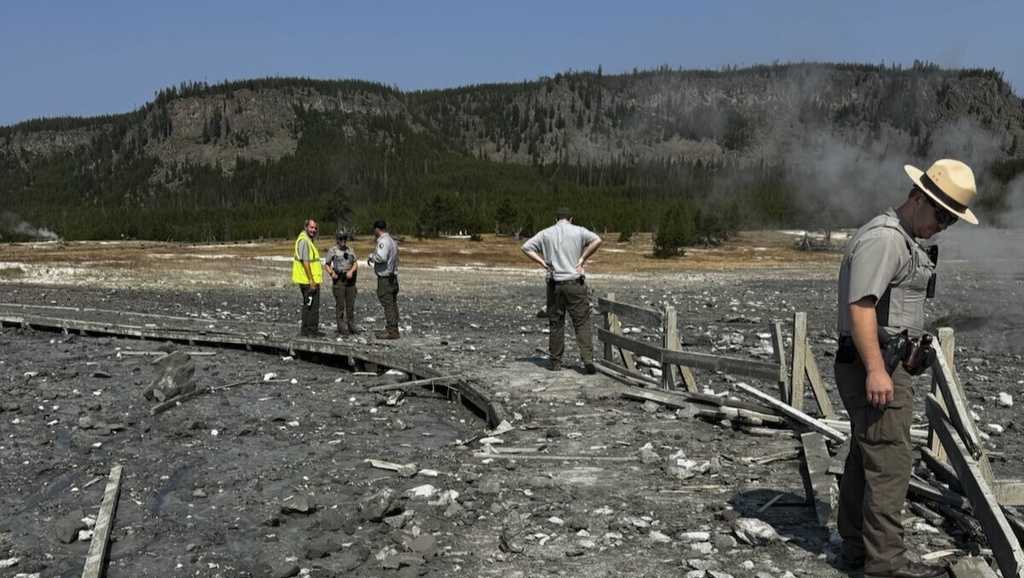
(412, 384)
(685, 373)
(632, 345)
(627, 356)
(821, 488)
(670, 335)
(941, 469)
(737, 366)
(684, 401)
(799, 371)
(972, 567)
(793, 413)
(641, 315)
(617, 371)
(609, 354)
(1005, 547)
(922, 490)
(817, 383)
(1009, 492)
(947, 342)
(95, 561)
(956, 405)
(779, 350)
(550, 457)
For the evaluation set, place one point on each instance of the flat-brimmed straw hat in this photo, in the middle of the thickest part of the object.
(949, 183)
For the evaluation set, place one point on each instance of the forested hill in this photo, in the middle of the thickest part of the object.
(799, 144)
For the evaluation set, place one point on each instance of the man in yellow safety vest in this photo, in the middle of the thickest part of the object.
(307, 273)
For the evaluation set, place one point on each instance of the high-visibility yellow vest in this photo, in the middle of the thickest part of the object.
(298, 271)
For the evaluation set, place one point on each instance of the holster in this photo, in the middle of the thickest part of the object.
(912, 353)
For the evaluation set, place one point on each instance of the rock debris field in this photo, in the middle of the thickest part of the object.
(289, 465)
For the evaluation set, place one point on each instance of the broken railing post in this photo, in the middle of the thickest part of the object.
(670, 335)
(779, 347)
(796, 389)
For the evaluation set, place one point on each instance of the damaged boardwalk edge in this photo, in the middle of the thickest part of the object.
(475, 397)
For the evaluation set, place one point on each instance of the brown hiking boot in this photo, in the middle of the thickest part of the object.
(388, 334)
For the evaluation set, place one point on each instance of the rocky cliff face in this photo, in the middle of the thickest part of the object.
(744, 115)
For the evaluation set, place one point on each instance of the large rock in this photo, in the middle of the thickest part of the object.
(754, 532)
(66, 529)
(375, 506)
(176, 377)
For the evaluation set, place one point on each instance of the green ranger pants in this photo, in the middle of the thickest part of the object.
(877, 472)
(344, 305)
(570, 296)
(387, 294)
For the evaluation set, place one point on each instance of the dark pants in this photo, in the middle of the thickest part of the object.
(549, 297)
(387, 294)
(572, 297)
(344, 305)
(310, 309)
(877, 472)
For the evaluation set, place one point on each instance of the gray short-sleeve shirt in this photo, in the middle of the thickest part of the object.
(561, 245)
(875, 256)
(341, 260)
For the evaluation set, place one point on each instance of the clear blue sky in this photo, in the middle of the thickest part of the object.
(95, 57)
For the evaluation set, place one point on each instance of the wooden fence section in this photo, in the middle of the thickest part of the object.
(676, 364)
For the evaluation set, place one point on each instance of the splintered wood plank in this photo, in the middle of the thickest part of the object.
(956, 405)
(947, 342)
(793, 413)
(615, 331)
(685, 373)
(821, 488)
(779, 349)
(817, 384)
(796, 389)
(95, 561)
(1005, 547)
(644, 315)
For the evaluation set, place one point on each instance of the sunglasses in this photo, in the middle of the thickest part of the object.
(942, 216)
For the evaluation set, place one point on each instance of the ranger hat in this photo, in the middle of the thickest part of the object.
(949, 183)
(343, 235)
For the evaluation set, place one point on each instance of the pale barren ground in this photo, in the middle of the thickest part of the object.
(195, 504)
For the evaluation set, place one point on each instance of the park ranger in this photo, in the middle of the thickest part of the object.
(308, 274)
(341, 265)
(384, 261)
(884, 279)
(562, 250)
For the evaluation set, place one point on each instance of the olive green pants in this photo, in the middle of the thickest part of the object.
(572, 297)
(877, 472)
(344, 305)
(387, 294)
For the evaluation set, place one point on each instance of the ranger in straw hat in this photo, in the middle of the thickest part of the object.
(884, 280)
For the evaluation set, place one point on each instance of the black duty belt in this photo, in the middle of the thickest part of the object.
(391, 276)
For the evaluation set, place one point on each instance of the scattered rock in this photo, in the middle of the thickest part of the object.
(67, 528)
(754, 532)
(1005, 399)
(297, 505)
(375, 506)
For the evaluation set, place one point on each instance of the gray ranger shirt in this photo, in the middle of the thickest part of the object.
(882, 256)
(561, 246)
(385, 256)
